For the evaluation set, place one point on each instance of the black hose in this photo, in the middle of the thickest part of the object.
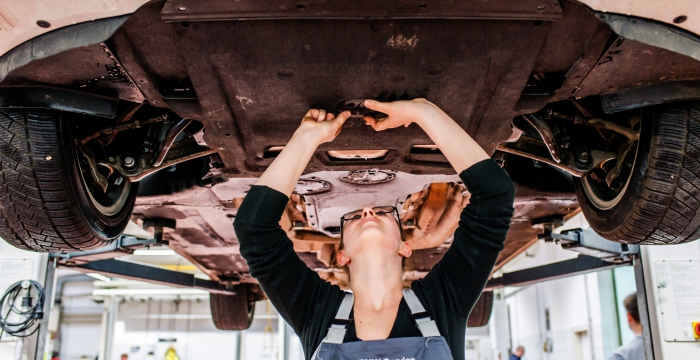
(26, 314)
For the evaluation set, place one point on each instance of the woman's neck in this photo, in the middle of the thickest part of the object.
(376, 283)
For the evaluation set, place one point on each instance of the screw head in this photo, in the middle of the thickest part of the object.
(129, 162)
(584, 157)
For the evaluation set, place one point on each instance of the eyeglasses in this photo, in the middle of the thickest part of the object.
(378, 210)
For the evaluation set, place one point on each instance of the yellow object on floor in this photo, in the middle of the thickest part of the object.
(171, 354)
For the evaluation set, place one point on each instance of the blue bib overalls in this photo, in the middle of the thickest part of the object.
(430, 346)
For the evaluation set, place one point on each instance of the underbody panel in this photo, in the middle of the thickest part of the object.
(247, 84)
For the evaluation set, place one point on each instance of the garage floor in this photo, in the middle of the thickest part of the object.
(579, 317)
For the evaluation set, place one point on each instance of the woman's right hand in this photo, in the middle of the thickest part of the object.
(316, 128)
(320, 126)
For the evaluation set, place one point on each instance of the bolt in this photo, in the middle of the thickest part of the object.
(129, 162)
(111, 159)
(584, 157)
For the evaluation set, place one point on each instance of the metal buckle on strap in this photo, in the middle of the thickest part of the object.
(421, 315)
(428, 327)
(341, 322)
(336, 334)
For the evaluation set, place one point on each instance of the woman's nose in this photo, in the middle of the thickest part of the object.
(368, 212)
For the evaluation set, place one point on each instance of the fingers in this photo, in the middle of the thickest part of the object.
(378, 106)
(343, 116)
(375, 124)
(341, 120)
(321, 115)
(312, 113)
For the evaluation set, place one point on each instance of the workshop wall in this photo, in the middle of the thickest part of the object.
(570, 318)
(80, 330)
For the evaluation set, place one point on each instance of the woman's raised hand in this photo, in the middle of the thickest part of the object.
(321, 126)
(403, 112)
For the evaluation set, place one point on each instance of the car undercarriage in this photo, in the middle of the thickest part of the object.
(167, 116)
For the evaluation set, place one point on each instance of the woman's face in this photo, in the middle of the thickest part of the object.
(374, 230)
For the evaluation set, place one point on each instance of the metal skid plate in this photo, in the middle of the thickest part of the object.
(328, 206)
(312, 186)
(368, 177)
(349, 9)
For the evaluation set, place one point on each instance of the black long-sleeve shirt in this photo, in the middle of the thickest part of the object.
(448, 291)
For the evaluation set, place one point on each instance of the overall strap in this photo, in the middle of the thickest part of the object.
(339, 325)
(422, 318)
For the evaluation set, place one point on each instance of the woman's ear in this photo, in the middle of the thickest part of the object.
(405, 249)
(342, 258)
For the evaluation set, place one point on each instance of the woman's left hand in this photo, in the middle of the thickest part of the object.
(322, 127)
(401, 113)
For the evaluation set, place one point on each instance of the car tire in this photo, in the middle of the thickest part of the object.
(481, 312)
(659, 204)
(233, 312)
(44, 202)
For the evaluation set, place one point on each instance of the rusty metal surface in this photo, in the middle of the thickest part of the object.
(93, 68)
(349, 9)
(437, 216)
(430, 207)
(240, 82)
(629, 64)
(522, 233)
(631, 98)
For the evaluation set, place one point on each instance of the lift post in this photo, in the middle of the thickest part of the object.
(668, 295)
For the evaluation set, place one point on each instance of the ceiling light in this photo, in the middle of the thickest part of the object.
(154, 252)
(100, 277)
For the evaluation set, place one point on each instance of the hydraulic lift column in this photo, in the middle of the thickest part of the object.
(668, 282)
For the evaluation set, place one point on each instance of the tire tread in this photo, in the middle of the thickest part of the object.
(232, 312)
(481, 312)
(37, 203)
(667, 210)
